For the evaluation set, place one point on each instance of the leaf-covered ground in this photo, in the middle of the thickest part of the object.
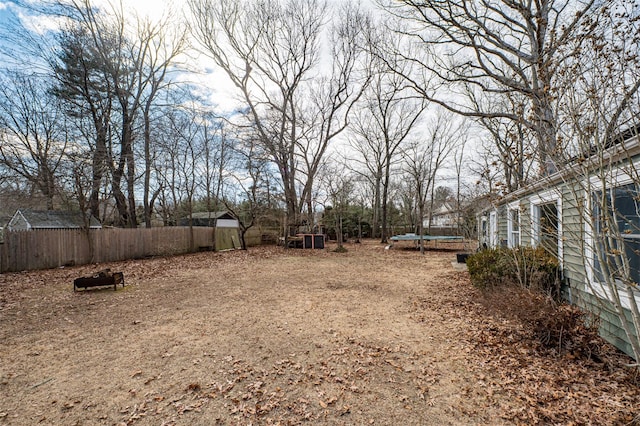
(268, 336)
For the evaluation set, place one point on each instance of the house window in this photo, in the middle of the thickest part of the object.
(513, 226)
(549, 235)
(616, 249)
(546, 222)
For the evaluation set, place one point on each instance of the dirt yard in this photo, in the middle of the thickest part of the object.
(371, 336)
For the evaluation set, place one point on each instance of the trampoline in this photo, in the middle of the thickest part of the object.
(435, 238)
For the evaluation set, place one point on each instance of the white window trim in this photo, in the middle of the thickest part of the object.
(515, 206)
(595, 287)
(483, 230)
(550, 196)
(493, 228)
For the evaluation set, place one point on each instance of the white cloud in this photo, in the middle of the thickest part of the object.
(153, 9)
(37, 23)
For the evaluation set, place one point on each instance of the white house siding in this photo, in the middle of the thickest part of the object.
(227, 223)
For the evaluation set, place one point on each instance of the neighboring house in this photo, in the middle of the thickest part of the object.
(27, 219)
(447, 220)
(444, 216)
(227, 228)
(560, 214)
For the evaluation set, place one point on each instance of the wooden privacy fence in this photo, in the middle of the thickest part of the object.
(51, 248)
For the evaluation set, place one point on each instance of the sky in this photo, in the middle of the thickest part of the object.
(214, 83)
(204, 72)
(4, 13)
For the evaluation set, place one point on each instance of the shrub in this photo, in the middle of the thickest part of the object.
(531, 268)
(557, 326)
(537, 270)
(569, 329)
(488, 268)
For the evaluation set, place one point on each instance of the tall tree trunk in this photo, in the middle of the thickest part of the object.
(420, 220)
(116, 188)
(98, 169)
(375, 231)
(131, 190)
(147, 204)
(385, 205)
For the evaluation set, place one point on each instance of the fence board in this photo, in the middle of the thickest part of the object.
(43, 249)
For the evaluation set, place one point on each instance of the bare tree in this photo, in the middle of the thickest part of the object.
(422, 161)
(511, 143)
(187, 119)
(249, 175)
(182, 147)
(271, 51)
(33, 132)
(458, 163)
(162, 45)
(115, 68)
(494, 48)
(216, 158)
(339, 189)
(387, 115)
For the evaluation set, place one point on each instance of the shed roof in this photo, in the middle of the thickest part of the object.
(51, 219)
(212, 215)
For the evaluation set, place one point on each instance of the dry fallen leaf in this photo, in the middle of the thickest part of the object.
(529, 384)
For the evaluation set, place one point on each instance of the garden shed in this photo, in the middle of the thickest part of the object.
(227, 228)
(574, 215)
(27, 219)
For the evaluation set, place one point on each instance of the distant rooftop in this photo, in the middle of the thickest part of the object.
(209, 215)
(50, 219)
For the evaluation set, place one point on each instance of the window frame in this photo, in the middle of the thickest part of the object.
(514, 237)
(619, 179)
(536, 202)
(493, 229)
